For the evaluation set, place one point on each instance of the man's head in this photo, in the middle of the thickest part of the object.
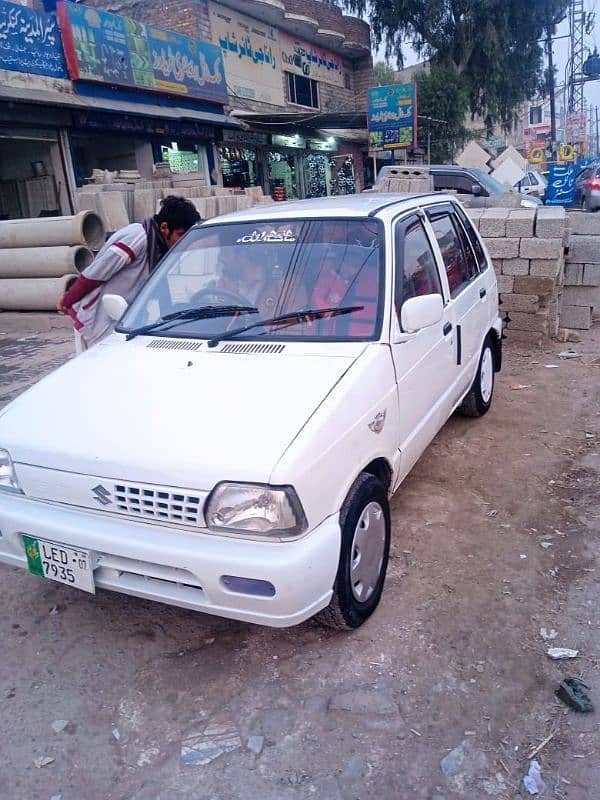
(176, 216)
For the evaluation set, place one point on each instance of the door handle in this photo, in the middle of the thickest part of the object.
(447, 328)
(482, 293)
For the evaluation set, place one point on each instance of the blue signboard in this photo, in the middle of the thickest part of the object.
(391, 116)
(107, 48)
(561, 182)
(30, 42)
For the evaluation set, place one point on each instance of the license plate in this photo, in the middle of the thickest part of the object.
(60, 563)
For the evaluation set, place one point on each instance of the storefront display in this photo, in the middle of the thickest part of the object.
(239, 167)
(343, 178)
(283, 174)
(317, 175)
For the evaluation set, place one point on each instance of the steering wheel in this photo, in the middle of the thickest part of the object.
(229, 297)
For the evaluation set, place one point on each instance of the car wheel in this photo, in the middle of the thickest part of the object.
(586, 204)
(479, 399)
(364, 552)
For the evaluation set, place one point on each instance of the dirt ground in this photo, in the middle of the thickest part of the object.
(495, 535)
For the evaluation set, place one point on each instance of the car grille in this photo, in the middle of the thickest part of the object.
(160, 503)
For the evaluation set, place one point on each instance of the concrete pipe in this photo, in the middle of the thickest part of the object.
(27, 294)
(84, 228)
(43, 262)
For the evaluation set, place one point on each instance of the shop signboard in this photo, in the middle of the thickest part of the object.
(133, 124)
(575, 127)
(245, 138)
(107, 48)
(391, 116)
(251, 55)
(305, 59)
(561, 182)
(30, 41)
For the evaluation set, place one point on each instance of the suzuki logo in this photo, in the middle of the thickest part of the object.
(102, 495)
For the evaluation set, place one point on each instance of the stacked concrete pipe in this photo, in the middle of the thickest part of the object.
(39, 257)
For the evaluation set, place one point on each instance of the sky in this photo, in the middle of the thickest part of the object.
(561, 54)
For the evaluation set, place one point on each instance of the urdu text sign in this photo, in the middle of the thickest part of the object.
(30, 42)
(108, 48)
(391, 116)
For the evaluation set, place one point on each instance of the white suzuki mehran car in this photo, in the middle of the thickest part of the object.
(233, 446)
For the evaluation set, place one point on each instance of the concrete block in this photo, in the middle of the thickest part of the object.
(144, 203)
(528, 303)
(550, 222)
(578, 317)
(515, 266)
(503, 200)
(505, 283)
(111, 207)
(581, 296)
(581, 222)
(584, 250)
(591, 275)
(574, 274)
(527, 284)
(225, 205)
(545, 268)
(503, 248)
(520, 222)
(536, 323)
(541, 248)
(492, 223)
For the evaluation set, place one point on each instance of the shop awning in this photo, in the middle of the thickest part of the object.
(277, 123)
(81, 103)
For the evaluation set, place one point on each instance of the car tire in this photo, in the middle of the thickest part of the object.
(479, 399)
(586, 204)
(364, 552)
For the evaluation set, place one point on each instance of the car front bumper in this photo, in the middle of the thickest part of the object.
(180, 567)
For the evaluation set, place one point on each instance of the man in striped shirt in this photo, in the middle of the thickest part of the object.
(122, 266)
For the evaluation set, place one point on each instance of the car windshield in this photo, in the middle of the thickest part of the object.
(491, 184)
(223, 277)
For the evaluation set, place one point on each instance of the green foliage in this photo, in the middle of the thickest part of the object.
(383, 74)
(443, 100)
(491, 46)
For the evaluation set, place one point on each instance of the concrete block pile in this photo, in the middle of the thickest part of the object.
(581, 293)
(527, 249)
(129, 199)
(404, 179)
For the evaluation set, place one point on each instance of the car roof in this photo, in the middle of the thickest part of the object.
(451, 168)
(367, 204)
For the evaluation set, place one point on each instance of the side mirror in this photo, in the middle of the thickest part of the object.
(114, 305)
(421, 312)
(476, 189)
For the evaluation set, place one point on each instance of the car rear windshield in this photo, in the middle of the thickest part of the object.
(266, 269)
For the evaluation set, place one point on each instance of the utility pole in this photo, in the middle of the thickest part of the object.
(597, 139)
(549, 33)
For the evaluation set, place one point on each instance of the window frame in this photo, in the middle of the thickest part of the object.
(401, 225)
(449, 209)
(293, 95)
(472, 236)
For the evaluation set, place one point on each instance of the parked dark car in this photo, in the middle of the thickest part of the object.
(587, 188)
(467, 180)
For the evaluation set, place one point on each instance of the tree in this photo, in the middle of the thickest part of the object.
(491, 47)
(383, 74)
(442, 106)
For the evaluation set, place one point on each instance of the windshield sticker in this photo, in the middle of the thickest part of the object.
(267, 236)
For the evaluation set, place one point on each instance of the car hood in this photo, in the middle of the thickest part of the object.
(133, 411)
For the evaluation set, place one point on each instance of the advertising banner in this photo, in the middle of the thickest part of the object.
(30, 42)
(391, 116)
(251, 54)
(561, 182)
(107, 48)
(305, 59)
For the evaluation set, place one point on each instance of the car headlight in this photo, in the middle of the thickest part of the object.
(256, 509)
(8, 476)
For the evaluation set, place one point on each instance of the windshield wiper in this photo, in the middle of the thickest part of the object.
(191, 314)
(283, 321)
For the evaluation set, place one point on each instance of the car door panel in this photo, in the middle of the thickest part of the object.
(424, 361)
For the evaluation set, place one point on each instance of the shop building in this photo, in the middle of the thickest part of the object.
(289, 65)
(79, 91)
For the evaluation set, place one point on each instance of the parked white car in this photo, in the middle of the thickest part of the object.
(233, 446)
(532, 183)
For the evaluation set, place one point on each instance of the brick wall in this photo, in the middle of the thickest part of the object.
(331, 18)
(189, 17)
(581, 293)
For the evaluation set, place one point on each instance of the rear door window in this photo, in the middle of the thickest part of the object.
(460, 269)
(480, 256)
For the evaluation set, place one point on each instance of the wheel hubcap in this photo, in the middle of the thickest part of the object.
(368, 547)
(486, 375)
